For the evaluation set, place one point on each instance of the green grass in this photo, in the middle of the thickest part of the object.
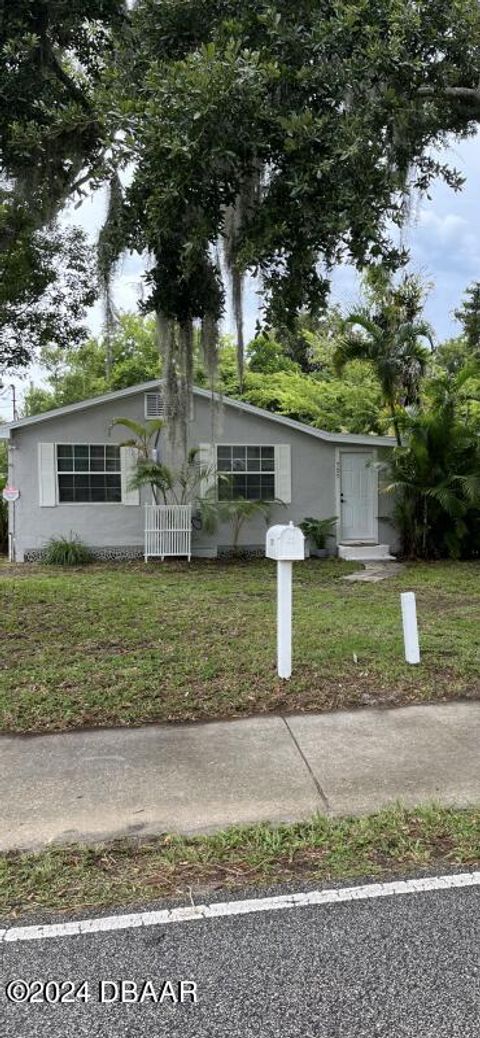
(122, 645)
(129, 872)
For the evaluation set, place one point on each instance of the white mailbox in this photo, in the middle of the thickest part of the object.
(285, 543)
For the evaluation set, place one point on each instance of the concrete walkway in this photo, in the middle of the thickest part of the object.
(197, 778)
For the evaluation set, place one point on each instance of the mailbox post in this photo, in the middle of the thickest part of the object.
(285, 544)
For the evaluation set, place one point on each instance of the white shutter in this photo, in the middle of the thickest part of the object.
(283, 473)
(128, 464)
(47, 475)
(207, 460)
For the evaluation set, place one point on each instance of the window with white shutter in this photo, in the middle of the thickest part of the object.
(88, 473)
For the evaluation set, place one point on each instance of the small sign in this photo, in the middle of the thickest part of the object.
(10, 494)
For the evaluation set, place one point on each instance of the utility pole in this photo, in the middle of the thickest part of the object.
(13, 391)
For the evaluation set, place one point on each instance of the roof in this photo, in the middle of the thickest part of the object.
(119, 394)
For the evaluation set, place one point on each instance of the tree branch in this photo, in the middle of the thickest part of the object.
(463, 93)
(68, 83)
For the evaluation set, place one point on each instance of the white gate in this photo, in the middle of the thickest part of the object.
(168, 531)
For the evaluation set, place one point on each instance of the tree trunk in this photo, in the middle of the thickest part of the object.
(395, 424)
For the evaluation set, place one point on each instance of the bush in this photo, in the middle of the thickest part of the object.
(317, 530)
(66, 551)
(436, 479)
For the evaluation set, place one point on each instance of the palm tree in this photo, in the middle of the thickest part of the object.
(390, 339)
(436, 480)
(237, 511)
(180, 486)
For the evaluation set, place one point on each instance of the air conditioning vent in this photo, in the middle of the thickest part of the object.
(154, 405)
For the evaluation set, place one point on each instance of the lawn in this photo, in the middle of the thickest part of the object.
(126, 644)
(129, 872)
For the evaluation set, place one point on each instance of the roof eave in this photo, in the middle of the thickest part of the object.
(241, 405)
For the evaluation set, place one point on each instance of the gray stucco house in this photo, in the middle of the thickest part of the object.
(74, 477)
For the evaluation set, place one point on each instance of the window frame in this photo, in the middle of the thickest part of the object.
(258, 472)
(89, 472)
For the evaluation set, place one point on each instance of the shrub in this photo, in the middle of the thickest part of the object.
(67, 551)
(317, 530)
(436, 480)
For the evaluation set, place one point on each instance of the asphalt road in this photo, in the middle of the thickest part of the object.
(391, 967)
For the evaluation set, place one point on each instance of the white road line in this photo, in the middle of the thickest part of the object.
(229, 908)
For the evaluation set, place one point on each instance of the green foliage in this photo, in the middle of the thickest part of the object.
(52, 58)
(238, 512)
(171, 486)
(469, 317)
(308, 119)
(80, 373)
(144, 436)
(388, 335)
(352, 404)
(310, 341)
(436, 480)
(451, 356)
(66, 551)
(47, 281)
(462, 385)
(267, 356)
(317, 530)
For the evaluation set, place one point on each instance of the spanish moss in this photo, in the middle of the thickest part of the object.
(176, 349)
(109, 249)
(235, 223)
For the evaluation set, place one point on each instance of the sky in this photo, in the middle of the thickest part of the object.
(443, 238)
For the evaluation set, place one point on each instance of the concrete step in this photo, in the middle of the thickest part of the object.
(365, 553)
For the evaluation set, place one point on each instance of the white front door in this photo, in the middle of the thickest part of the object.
(358, 496)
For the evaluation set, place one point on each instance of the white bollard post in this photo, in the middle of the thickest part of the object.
(284, 619)
(410, 627)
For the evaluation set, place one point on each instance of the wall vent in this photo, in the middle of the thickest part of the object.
(154, 405)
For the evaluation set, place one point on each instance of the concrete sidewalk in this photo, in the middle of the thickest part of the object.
(196, 778)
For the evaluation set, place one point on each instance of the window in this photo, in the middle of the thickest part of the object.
(251, 471)
(88, 473)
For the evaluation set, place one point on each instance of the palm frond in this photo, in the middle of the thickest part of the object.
(128, 423)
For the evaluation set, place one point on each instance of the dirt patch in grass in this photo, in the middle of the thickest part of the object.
(128, 872)
(130, 644)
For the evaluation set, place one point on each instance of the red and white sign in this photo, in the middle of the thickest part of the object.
(10, 493)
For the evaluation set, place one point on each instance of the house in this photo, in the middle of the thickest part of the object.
(73, 475)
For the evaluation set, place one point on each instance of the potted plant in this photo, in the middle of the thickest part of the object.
(317, 531)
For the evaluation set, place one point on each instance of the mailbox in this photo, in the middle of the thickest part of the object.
(285, 543)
